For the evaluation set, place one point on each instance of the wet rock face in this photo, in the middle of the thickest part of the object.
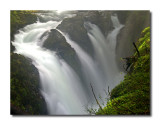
(57, 42)
(26, 98)
(135, 22)
(75, 28)
(100, 18)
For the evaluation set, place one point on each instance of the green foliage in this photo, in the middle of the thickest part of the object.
(25, 94)
(144, 42)
(132, 95)
(135, 22)
(21, 18)
(128, 104)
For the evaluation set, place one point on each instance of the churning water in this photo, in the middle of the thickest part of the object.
(60, 85)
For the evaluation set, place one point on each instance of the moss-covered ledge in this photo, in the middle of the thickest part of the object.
(132, 95)
(19, 19)
(26, 98)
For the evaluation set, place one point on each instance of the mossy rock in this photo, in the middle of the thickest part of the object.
(136, 103)
(19, 19)
(26, 98)
(135, 22)
(132, 95)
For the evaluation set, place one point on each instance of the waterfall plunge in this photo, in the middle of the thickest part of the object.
(105, 51)
(61, 87)
(90, 69)
(103, 71)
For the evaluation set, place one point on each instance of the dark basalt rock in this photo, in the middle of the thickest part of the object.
(100, 18)
(57, 42)
(75, 27)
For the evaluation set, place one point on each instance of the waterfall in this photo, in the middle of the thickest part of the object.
(101, 71)
(105, 51)
(60, 85)
(55, 15)
(91, 71)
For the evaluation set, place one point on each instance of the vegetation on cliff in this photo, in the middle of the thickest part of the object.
(25, 98)
(132, 95)
(135, 22)
(25, 93)
(19, 19)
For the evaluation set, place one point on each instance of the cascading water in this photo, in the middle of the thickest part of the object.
(105, 51)
(91, 71)
(103, 71)
(61, 87)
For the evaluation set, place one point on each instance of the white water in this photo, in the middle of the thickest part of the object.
(91, 71)
(56, 15)
(60, 84)
(103, 71)
(61, 87)
(105, 51)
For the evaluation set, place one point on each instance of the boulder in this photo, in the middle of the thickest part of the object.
(57, 42)
(25, 88)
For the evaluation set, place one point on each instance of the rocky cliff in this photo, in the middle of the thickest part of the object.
(135, 22)
(26, 98)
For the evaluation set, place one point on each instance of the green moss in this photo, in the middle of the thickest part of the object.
(25, 94)
(135, 22)
(132, 95)
(21, 18)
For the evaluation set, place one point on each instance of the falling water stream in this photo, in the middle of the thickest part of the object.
(60, 85)
(105, 51)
